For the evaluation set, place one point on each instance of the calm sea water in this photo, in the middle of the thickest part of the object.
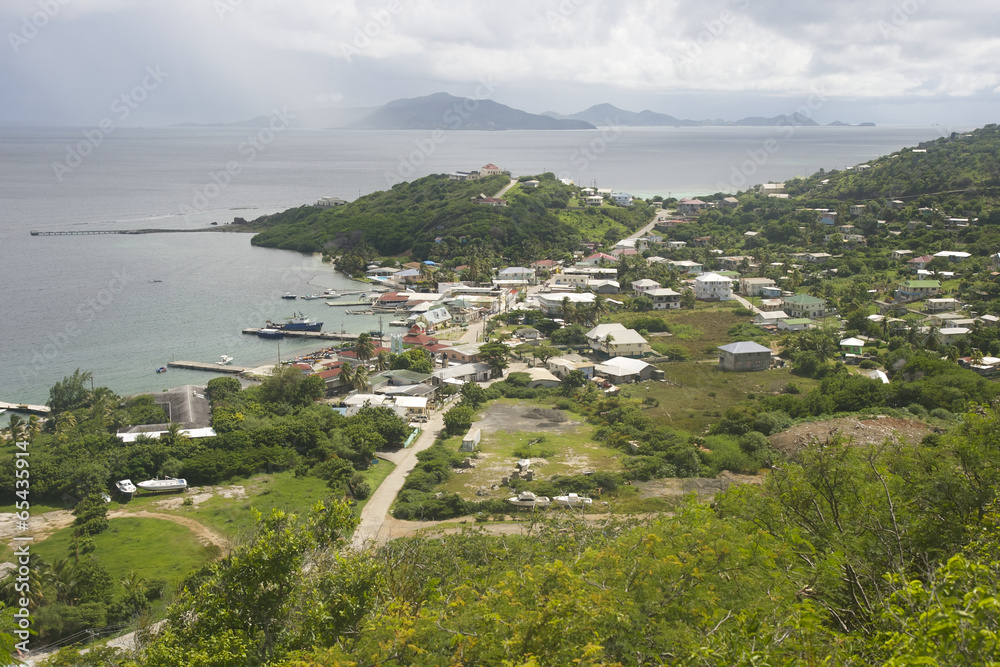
(120, 306)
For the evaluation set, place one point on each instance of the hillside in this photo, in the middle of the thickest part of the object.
(447, 112)
(966, 165)
(433, 216)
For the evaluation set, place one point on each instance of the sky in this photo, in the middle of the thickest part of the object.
(900, 62)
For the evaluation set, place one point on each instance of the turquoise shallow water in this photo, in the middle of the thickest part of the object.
(91, 302)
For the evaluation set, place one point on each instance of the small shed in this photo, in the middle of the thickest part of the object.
(471, 440)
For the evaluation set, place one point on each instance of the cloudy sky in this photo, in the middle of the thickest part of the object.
(888, 61)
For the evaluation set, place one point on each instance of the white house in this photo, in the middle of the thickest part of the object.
(622, 198)
(519, 273)
(616, 340)
(664, 298)
(713, 287)
(621, 370)
(644, 286)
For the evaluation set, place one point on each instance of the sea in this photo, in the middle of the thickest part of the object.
(121, 306)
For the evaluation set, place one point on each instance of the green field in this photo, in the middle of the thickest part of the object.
(696, 394)
(152, 548)
(699, 331)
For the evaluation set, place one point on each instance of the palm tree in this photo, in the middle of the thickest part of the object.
(608, 339)
(976, 358)
(34, 427)
(932, 339)
(16, 428)
(364, 347)
(600, 308)
(382, 360)
(359, 380)
(346, 375)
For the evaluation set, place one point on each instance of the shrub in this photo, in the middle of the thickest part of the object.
(942, 414)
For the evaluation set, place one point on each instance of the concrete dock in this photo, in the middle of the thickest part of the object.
(200, 366)
(318, 335)
(24, 407)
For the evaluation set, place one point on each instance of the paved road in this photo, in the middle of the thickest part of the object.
(374, 513)
(505, 188)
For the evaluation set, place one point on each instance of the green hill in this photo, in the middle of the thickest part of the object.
(434, 216)
(964, 165)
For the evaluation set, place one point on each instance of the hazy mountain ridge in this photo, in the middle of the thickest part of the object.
(608, 114)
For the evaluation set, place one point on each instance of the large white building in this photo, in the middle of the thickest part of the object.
(713, 287)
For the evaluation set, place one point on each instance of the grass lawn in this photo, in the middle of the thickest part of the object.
(696, 394)
(153, 548)
(699, 331)
(556, 454)
(281, 490)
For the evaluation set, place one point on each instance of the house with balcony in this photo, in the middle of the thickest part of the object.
(754, 286)
(664, 298)
(914, 290)
(691, 206)
(713, 287)
(804, 305)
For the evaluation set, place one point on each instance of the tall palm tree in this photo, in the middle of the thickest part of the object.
(364, 348)
(600, 308)
(382, 360)
(346, 375)
(359, 380)
(608, 340)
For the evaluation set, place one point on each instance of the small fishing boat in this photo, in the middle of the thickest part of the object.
(224, 360)
(311, 297)
(161, 369)
(289, 295)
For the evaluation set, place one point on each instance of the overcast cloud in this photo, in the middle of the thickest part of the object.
(900, 61)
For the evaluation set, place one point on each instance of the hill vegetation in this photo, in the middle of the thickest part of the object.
(434, 218)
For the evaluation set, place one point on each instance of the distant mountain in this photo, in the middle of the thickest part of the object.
(447, 112)
(608, 114)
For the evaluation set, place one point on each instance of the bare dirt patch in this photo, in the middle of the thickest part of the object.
(510, 418)
(854, 431)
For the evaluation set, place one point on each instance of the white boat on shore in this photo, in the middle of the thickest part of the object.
(529, 499)
(572, 500)
(163, 485)
(125, 486)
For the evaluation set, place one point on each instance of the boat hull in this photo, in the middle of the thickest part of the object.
(162, 485)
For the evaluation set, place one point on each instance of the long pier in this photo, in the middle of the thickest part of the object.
(201, 366)
(319, 335)
(24, 407)
(94, 232)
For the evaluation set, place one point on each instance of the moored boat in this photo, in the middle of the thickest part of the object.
(529, 499)
(572, 500)
(289, 295)
(161, 369)
(224, 360)
(311, 297)
(270, 333)
(163, 485)
(298, 322)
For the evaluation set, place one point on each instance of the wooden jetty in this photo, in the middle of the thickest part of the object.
(319, 335)
(24, 407)
(215, 368)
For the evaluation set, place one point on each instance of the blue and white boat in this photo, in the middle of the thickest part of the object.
(269, 332)
(297, 323)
